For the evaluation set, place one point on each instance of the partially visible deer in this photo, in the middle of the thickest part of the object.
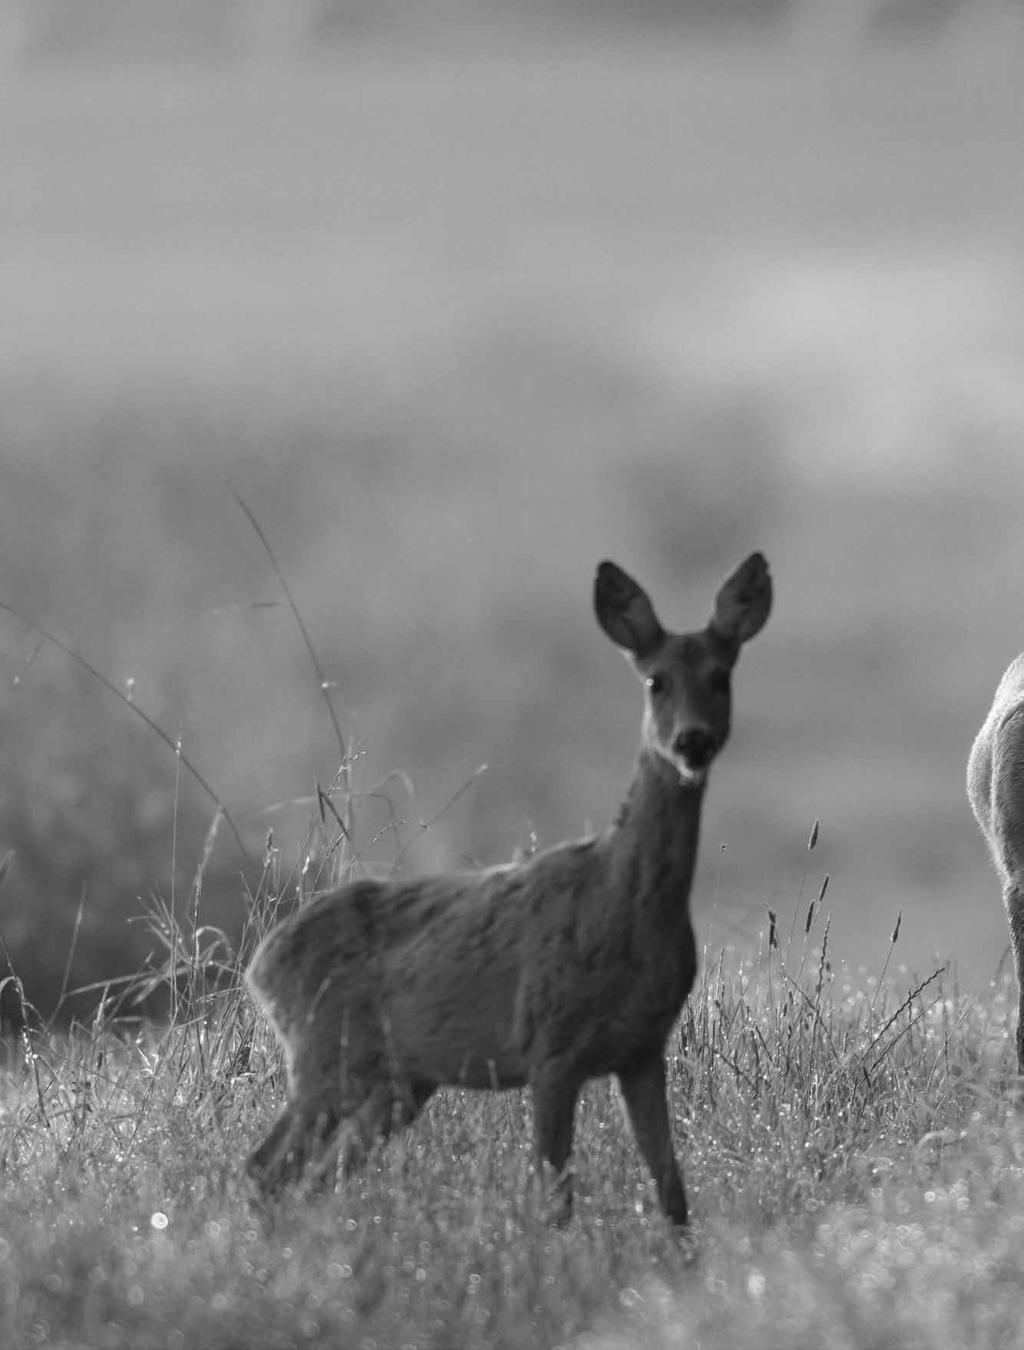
(548, 972)
(995, 787)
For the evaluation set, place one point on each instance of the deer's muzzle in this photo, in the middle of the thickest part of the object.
(694, 750)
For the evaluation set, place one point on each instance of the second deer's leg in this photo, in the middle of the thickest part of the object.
(643, 1089)
(554, 1106)
(1013, 898)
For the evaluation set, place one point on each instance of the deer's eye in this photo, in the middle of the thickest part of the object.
(719, 681)
(657, 683)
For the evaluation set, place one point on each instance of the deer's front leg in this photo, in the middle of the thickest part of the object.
(643, 1089)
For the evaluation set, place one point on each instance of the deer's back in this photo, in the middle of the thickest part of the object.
(995, 773)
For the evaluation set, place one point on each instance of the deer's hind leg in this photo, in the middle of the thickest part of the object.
(555, 1086)
(389, 1108)
(345, 1094)
(335, 1064)
(302, 1130)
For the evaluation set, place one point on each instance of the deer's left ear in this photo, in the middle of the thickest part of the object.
(744, 602)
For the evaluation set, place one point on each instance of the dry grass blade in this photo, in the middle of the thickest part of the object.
(72, 947)
(813, 1006)
(426, 825)
(823, 964)
(893, 939)
(903, 1007)
(947, 1040)
(153, 725)
(297, 615)
(812, 844)
(327, 807)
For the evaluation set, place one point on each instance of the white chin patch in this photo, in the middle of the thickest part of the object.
(690, 777)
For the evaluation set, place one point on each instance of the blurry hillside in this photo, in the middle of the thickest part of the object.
(229, 30)
(463, 298)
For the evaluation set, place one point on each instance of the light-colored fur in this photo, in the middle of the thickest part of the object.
(572, 964)
(995, 787)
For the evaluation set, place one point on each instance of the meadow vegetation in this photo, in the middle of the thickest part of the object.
(852, 1150)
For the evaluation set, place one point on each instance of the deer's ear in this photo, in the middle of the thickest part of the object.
(744, 601)
(625, 612)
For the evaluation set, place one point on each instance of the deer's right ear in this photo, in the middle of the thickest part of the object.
(625, 612)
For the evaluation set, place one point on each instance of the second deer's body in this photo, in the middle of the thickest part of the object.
(995, 788)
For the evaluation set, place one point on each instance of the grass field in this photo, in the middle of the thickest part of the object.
(853, 1157)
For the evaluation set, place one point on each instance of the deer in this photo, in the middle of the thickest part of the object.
(543, 973)
(995, 790)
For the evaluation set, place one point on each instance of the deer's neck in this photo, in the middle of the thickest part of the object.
(653, 843)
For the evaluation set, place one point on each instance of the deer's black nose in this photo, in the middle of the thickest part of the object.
(696, 747)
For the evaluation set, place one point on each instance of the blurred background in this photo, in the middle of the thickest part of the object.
(462, 296)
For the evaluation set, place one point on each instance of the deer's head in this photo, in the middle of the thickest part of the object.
(687, 676)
